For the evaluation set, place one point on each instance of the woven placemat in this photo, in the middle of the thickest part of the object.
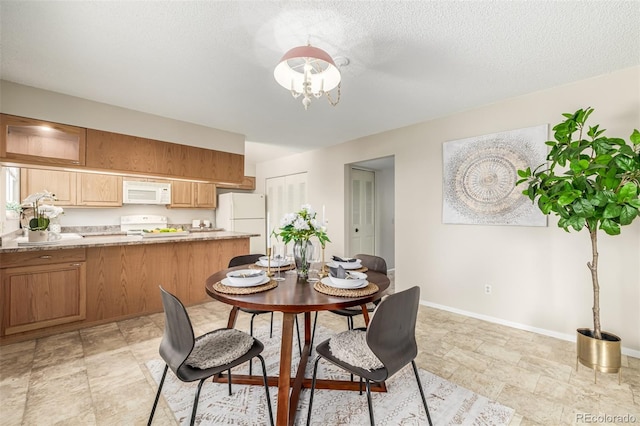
(221, 288)
(371, 288)
(274, 268)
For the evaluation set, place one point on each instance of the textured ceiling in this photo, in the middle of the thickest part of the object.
(211, 62)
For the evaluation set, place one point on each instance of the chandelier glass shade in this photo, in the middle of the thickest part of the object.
(308, 71)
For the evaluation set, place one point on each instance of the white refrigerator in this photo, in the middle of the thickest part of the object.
(240, 212)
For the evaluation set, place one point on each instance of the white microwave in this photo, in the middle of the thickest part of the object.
(134, 192)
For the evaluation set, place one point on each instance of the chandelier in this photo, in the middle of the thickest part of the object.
(310, 72)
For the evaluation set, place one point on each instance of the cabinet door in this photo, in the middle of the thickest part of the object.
(32, 141)
(182, 194)
(99, 190)
(205, 195)
(62, 184)
(43, 296)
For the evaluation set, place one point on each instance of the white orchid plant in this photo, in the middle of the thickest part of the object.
(43, 210)
(301, 226)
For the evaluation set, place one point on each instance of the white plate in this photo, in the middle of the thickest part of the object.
(327, 281)
(227, 282)
(345, 265)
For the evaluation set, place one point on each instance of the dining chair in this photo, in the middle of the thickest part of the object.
(372, 263)
(378, 352)
(192, 358)
(246, 259)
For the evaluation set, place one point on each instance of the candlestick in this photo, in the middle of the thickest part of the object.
(322, 270)
(269, 273)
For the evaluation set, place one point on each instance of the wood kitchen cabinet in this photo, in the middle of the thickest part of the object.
(98, 190)
(73, 189)
(60, 183)
(248, 183)
(137, 155)
(42, 289)
(31, 141)
(193, 195)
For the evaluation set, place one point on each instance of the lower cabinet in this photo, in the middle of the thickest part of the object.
(46, 292)
(43, 293)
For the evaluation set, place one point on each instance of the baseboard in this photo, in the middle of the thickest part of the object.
(562, 336)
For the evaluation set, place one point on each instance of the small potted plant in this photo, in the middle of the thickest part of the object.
(591, 182)
(37, 211)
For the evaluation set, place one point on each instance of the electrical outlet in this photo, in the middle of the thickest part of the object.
(487, 289)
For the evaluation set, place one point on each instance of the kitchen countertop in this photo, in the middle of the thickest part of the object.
(120, 240)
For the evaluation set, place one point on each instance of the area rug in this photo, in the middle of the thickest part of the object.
(449, 404)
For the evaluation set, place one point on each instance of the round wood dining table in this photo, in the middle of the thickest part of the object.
(291, 297)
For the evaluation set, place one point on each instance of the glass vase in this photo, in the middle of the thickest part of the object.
(303, 253)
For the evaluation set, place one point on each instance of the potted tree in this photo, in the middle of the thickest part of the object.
(590, 182)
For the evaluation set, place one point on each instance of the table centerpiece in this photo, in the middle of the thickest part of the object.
(300, 227)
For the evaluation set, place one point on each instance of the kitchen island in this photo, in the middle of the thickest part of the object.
(76, 283)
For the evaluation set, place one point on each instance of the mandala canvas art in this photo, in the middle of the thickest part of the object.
(480, 175)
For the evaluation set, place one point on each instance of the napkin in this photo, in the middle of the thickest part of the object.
(339, 259)
(338, 272)
(248, 275)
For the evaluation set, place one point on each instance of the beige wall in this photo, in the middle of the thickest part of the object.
(26, 101)
(539, 276)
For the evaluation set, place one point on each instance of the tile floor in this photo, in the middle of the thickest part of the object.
(97, 376)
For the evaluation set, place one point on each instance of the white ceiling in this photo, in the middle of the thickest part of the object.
(211, 62)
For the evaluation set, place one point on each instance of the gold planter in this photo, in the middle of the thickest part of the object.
(602, 355)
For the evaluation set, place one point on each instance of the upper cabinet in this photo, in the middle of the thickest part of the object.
(30, 141)
(96, 190)
(131, 154)
(193, 195)
(73, 189)
(248, 182)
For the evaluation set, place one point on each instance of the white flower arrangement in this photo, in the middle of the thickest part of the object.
(43, 211)
(301, 226)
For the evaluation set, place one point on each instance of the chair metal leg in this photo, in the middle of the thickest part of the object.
(313, 387)
(266, 387)
(295, 320)
(313, 332)
(195, 402)
(155, 403)
(229, 373)
(251, 334)
(424, 400)
(271, 326)
(371, 420)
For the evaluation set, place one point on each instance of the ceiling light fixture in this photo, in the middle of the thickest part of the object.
(308, 71)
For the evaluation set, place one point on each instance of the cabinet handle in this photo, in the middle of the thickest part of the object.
(75, 264)
(46, 257)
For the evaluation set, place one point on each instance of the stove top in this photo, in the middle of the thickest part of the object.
(134, 224)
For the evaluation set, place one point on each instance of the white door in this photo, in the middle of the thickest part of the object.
(362, 221)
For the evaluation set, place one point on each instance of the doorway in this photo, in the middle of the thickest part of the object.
(370, 201)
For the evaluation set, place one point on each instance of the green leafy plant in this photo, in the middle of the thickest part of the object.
(591, 182)
(301, 226)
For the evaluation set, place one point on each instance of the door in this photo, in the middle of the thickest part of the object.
(285, 194)
(362, 221)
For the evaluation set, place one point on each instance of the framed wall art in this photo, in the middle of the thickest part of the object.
(480, 174)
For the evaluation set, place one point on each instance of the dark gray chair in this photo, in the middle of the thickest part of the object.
(179, 343)
(390, 337)
(372, 263)
(246, 259)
